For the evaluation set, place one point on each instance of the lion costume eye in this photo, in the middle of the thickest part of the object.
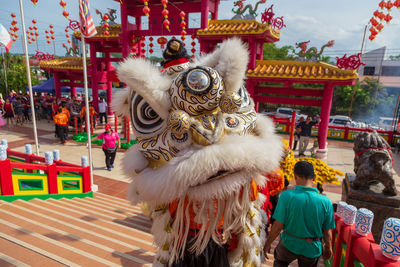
(144, 119)
(198, 81)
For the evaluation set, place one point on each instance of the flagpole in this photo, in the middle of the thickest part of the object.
(93, 187)
(28, 77)
(5, 71)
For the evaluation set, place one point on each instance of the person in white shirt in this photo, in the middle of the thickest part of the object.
(102, 110)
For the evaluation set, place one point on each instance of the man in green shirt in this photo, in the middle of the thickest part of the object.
(306, 218)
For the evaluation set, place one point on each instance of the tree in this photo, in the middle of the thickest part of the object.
(16, 74)
(371, 100)
(272, 52)
(397, 58)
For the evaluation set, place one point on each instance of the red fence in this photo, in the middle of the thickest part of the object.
(51, 170)
(358, 249)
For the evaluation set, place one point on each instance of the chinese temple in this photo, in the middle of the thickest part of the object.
(267, 80)
(283, 75)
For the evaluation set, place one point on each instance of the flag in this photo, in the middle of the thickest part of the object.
(5, 38)
(87, 25)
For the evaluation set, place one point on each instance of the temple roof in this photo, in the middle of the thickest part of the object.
(114, 31)
(71, 63)
(238, 27)
(300, 70)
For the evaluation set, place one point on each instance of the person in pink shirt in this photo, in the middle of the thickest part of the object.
(109, 145)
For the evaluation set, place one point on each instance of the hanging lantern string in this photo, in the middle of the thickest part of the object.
(165, 13)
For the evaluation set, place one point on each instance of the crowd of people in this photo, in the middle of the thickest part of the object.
(15, 109)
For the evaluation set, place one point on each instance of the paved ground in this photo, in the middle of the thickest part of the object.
(340, 157)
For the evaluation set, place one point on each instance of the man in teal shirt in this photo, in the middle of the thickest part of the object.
(306, 218)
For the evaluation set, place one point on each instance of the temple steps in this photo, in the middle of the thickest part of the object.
(98, 231)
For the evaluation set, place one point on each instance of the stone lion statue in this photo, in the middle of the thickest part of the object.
(373, 163)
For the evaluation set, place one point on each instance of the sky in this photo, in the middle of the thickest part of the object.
(317, 21)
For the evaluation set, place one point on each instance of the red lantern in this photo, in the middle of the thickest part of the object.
(162, 41)
(146, 9)
(52, 37)
(14, 22)
(380, 27)
(46, 32)
(30, 28)
(51, 32)
(65, 14)
(14, 40)
(51, 26)
(36, 34)
(13, 15)
(35, 28)
(29, 42)
(381, 16)
(66, 30)
(47, 37)
(105, 17)
(107, 33)
(371, 37)
(151, 51)
(34, 21)
(166, 23)
(165, 13)
(382, 4)
(397, 3)
(388, 18)
(374, 22)
(373, 31)
(193, 50)
(389, 5)
(16, 28)
(34, 2)
(16, 36)
(376, 13)
(67, 35)
(49, 42)
(28, 37)
(106, 25)
(32, 34)
(33, 39)
(62, 3)
(68, 41)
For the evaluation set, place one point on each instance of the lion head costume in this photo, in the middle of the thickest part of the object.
(201, 151)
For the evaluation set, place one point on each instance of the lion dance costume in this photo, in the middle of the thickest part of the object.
(201, 151)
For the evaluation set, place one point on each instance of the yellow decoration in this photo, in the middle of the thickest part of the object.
(300, 70)
(324, 174)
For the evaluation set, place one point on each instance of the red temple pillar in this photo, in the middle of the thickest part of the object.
(252, 53)
(324, 116)
(205, 8)
(57, 84)
(109, 86)
(124, 29)
(93, 72)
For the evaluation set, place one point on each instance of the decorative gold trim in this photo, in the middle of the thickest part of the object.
(300, 69)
